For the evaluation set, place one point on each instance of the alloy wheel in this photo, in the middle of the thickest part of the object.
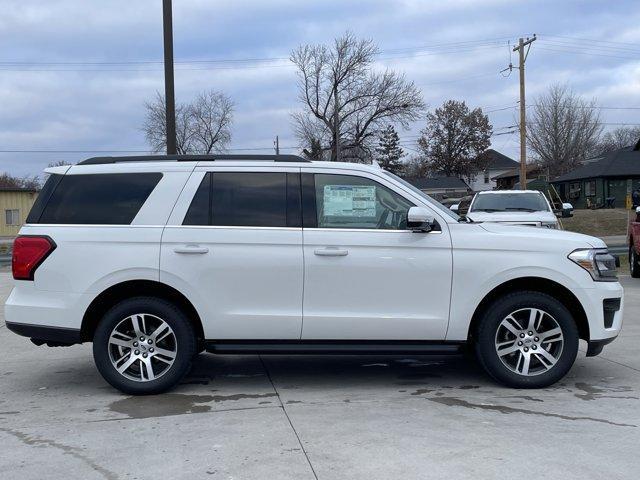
(529, 341)
(142, 347)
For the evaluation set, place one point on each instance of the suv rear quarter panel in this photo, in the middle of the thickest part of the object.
(88, 259)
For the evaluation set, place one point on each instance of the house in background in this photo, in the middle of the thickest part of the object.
(604, 180)
(510, 179)
(441, 187)
(498, 164)
(15, 204)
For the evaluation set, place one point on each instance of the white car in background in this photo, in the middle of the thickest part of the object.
(513, 207)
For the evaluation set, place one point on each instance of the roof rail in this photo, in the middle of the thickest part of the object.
(192, 158)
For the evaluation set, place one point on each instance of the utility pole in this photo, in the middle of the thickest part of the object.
(336, 121)
(276, 144)
(169, 95)
(523, 109)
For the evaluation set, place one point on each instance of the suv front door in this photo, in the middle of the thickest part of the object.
(367, 277)
(233, 245)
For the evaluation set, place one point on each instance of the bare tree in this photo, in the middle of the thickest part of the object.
(618, 138)
(203, 126)
(562, 130)
(415, 167)
(455, 139)
(344, 98)
(59, 163)
(26, 182)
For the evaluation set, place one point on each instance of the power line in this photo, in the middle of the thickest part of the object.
(146, 151)
(500, 109)
(592, 107)
(256, 62)
(557, 50)
(602, 48)
(590, 40)
(565, 44)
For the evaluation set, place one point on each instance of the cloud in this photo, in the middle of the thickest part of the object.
(44, 107)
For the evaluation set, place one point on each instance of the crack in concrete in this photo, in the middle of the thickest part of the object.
(457, 402)
(75, 452)
(286, 414)
(525, 397)
(602, 357)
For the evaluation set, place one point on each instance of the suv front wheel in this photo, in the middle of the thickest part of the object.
(144, 345)
(527, 340)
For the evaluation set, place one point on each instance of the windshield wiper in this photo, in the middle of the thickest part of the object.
(488, 210)
(522, 209)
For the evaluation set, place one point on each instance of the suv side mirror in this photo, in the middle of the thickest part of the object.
(420, 220)
(454, 207)
(566, 212)
(637, 210)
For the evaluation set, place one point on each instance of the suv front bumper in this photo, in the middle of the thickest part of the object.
(604, 307)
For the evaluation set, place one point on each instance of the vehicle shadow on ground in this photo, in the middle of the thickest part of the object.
(310, 375)
(300, 371)
(292, 371)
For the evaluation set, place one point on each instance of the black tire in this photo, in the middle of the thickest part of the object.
(183, 340)
(486, 339)
(634, 263)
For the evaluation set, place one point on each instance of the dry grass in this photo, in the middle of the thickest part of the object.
(599, 223)
(624, 265)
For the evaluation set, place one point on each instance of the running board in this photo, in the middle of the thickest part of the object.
(334, 347)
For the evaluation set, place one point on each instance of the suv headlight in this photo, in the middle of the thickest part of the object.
(600, 264)
(549, 224)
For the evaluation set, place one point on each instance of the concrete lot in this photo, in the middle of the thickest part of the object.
(319, 417)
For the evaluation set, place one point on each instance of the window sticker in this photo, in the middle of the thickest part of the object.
(349, 201)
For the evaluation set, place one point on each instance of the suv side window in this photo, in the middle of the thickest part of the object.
(346, 201)
(246, 199)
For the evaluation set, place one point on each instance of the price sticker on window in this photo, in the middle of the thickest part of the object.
(349, 201)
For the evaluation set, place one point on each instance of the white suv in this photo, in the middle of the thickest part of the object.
(155, 259)
(514, 207)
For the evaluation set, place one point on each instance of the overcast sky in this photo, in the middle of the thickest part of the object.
(74, 74)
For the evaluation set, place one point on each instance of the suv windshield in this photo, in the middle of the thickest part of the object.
(509, 202)
(416, 190)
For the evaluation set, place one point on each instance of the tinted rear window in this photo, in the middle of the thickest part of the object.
(43, 198)
(99, 199)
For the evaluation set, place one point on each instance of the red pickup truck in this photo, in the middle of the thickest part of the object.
(634, 244)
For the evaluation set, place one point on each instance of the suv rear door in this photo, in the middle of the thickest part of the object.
(233, 245)
(367, 277)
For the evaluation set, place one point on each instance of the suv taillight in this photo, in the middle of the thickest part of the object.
(29, 251)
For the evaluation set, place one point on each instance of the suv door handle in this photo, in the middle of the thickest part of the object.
(191, 249)
(331, 252)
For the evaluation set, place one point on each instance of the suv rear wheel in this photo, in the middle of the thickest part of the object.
(144, 345)
(634, 263)
(527, 340)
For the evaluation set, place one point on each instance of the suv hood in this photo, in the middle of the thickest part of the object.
(513, 217)
(545, 234)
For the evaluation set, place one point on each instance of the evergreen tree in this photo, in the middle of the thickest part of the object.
(389, 152)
